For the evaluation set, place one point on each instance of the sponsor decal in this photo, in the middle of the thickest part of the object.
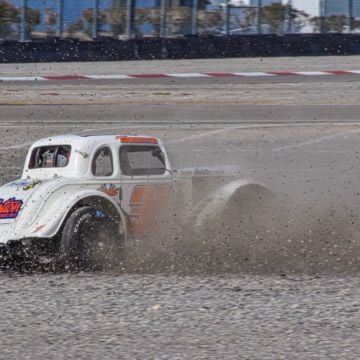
(20, 183)
(109, 189)
(25, 184)
(10, 208)
(100, 214)
(31, 185)
(84, 218)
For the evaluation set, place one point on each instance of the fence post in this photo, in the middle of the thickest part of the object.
(130, 14)
(194, 19)
(258, 16)
(322, 16)
(163, 16)
(227, 18)
(60, 18)
(95, 22)
(23, 21)
(288, 17)
(350, 15)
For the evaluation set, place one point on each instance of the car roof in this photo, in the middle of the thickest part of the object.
(93, 139)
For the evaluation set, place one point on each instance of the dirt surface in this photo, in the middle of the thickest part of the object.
(169, 317)
(292, 90)
(293, 294)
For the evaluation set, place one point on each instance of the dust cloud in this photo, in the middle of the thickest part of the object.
(273, 236)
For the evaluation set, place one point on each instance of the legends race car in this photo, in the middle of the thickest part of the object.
(82, 198)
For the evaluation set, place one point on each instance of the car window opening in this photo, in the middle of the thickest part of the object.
(102, 164)
(140, 160)
(57, 156)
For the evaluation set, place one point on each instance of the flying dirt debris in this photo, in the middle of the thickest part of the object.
(113, 201)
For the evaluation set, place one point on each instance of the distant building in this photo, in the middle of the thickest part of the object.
(327, 7)
(336, 7)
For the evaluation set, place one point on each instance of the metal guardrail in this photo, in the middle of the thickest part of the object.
(126, 19)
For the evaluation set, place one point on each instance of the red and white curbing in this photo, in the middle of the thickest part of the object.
(180, 75)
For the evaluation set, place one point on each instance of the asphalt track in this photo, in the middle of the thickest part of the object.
(297, 296)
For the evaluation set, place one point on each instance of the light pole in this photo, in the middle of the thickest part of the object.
(350, 14)
(288, 18)
(95, 22)
(258, 16)
(60, 18)
(23, 21)
(194, 19)
(163, 15)
(322, 16)
(227, 18)
(130, 14)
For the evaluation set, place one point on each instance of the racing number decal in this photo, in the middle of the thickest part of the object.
(147, 203)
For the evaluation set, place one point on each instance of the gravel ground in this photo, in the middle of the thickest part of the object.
(169, 317)
(276, 313)
(280, 314)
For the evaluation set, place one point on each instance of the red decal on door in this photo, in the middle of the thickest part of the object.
(147, 205)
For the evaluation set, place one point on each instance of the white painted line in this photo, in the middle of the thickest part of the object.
(253, 74)
(354, 71)
(222, 130)
(202, 135)
(108, 77)
(312, 73)
(316, 141)
(189, 75)
(22, 78)
(231, 128)
(17, 146)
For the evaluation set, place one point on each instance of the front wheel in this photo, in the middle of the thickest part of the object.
(91, 240)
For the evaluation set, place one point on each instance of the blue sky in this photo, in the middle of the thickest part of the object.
(312, 6)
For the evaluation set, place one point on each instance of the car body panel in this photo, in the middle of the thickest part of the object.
(36, 205)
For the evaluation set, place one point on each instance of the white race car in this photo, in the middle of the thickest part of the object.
(81, 198)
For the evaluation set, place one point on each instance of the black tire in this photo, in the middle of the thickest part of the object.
(90, 240)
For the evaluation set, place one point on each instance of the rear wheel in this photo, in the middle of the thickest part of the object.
(91, 240)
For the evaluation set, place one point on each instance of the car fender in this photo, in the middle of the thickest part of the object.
(56, 209)
(215, 206)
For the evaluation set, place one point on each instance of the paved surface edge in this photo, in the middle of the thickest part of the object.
(178, 75)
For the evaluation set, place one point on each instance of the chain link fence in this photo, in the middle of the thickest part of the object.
(27, 20)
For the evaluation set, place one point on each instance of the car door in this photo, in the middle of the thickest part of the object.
(145, 186)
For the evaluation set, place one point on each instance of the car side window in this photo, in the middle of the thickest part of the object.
(57, 156)
(142, 160)
(102, 164)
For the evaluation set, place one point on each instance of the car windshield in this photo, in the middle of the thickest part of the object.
(50, 157)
